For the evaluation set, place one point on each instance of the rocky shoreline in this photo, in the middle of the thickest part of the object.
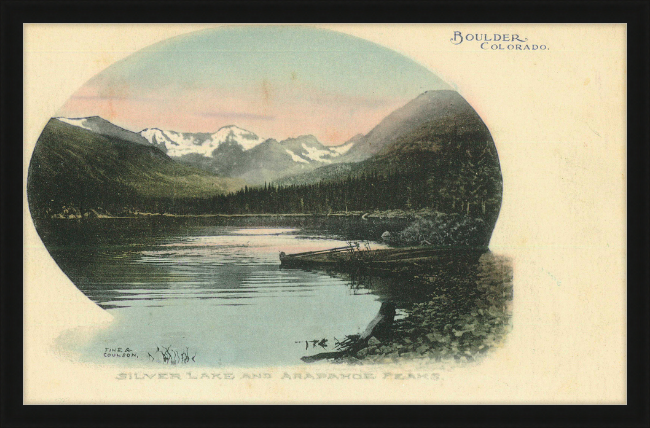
(73, 214)
(465, 318)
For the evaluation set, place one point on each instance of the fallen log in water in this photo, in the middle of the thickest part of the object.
(386, 260)
(378, 328)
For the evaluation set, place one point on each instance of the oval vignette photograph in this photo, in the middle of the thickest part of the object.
(262, 196)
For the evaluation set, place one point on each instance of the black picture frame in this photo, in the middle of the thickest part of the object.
(635, 13)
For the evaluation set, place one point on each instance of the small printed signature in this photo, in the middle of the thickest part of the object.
(119, 353)
(162, 354)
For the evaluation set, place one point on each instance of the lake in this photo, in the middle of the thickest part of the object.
(211, 292)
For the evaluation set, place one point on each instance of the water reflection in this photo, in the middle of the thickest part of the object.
(217, 289)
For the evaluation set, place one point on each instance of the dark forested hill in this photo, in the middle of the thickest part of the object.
(434, 153)
(444, 114)
(77, 169)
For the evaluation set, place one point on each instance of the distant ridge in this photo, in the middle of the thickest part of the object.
(104, 127)
(236, 152)
(231, 151)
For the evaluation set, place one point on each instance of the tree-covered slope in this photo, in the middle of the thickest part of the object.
(72, 167)
(434, 153)
(443, 112)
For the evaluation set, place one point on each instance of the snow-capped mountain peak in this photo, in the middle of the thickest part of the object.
(343, 148)
(231, 133)
(103, 127)
(177, 144)
(81, 122)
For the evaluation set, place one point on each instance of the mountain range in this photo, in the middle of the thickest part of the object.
(177, 144)
(231, 151)
(426, 127)
(236, 152)
(436, 142)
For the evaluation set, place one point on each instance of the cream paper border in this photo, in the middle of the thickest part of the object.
(558, 118)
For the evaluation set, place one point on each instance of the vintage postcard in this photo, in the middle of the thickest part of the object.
(225, 214)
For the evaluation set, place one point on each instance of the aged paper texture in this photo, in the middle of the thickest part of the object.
(553, 99)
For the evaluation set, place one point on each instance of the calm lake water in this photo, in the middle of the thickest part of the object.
(216, 292)
(211, 292)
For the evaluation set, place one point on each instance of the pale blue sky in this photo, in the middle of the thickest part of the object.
(277, 81)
